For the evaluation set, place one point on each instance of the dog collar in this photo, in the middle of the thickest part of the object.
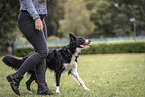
(69, 51)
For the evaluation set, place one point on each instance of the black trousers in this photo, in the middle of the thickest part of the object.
(38, 40)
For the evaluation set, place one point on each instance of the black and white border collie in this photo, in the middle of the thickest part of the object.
(58, 60)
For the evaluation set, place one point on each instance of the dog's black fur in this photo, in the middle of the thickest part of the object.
(58, 60)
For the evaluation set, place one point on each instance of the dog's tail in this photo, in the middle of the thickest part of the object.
(12, 62)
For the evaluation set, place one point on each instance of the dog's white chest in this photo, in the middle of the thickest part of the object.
(69, 66)
(72, 64)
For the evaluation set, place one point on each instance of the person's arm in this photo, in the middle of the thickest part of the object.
(31, 9)
(33, 13)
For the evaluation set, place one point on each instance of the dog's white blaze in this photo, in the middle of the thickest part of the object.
(86, 41)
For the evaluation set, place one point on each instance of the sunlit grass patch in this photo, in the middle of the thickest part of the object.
(108, 75)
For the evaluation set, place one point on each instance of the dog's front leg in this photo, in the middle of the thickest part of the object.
(77, 77)
(57, 77)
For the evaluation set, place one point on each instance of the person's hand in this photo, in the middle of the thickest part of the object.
(38, 24)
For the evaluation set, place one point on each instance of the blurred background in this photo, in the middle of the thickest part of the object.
(99, 20)
(113, 66)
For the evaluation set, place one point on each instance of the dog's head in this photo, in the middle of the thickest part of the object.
(79, 42)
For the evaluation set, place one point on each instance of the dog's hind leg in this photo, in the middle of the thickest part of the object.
(28, 83)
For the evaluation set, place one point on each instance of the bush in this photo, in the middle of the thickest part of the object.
(118, 47)
(99, 48)
(21, 52)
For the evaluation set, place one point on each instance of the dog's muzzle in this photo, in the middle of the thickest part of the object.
(85, 45)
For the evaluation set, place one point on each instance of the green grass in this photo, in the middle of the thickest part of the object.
(108, 75)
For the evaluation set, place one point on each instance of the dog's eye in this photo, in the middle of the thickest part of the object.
(82, 39)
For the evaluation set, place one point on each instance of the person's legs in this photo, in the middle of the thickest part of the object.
(38, 41)
(40, 71)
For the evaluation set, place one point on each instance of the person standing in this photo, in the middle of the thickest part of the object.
(31, 24)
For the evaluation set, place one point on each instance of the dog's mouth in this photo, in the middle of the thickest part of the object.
(85, 45)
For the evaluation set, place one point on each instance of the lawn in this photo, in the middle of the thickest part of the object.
(107, 75)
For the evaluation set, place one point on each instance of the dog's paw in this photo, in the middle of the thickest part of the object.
(57, 92)
(87, 89)
(30, 91)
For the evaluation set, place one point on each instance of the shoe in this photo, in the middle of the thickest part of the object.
(14, 80)
(44, 90)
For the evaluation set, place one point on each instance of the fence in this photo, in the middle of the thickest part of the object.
(64, 42)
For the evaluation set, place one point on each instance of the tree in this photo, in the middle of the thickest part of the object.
(134, 9)
(55, 13)
(76, 19)
(8, 20)
(112, 17)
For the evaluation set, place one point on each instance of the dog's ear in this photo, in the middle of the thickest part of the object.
(71, 36)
